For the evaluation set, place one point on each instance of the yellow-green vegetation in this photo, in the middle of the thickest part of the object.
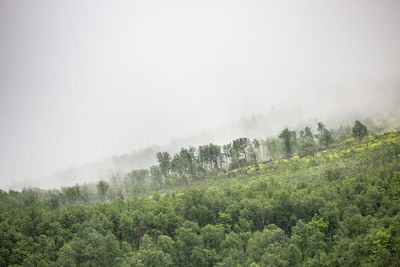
(287, 169)
(337, 207)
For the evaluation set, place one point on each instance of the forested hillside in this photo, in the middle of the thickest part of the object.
(306, 198)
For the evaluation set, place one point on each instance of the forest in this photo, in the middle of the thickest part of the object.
(308, 197)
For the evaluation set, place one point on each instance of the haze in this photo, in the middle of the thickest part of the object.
(84, 80)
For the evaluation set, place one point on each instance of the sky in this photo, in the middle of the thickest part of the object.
(83, 80)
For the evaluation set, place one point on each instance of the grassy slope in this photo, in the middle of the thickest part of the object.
(296, 170)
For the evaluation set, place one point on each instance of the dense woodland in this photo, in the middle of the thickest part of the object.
(314, 197)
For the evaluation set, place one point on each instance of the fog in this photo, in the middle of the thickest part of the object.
(81, 81)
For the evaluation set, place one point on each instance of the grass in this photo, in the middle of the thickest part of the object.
(288, 170)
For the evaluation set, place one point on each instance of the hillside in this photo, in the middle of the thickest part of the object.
(260, 126)
(337, 207)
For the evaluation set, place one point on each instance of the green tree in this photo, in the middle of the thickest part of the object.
(187, 238)
(272, 148)
(164, 161)
(72, 194)
(156, 176)
(289, 141)
(320, 128)
(324, 135)
(210, 154)
(359, 130)
(67, 257)
(239, 148)
(149, 255)
(227, 153)
(166, 244)
(326, 138)
(212, 236)
(257, 149)
(269, 247)
(102, 188)
(307, 143)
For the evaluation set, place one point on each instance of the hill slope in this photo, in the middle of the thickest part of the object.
(339, 207)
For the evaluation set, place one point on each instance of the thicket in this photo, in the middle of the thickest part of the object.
(332, 207)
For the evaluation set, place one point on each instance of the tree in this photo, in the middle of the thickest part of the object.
(102, 188)
(155, 174)
(359, 130)
(272, 148)
(239, 148)
(324, 135)
(137, 179)
(326, 138)
(210, 154)
(215, 154)
(343, 133)
(67, 256)
(187, 238)
(307, 143)
(166, 244)
(271, 244)
(212, 236)
(72, 194)
(253, 157)
(289, 141)
(320, 127)
(164, 161)
(257, 147)
(176, 165)
(227, 153)
(188, 160)
(149, 255)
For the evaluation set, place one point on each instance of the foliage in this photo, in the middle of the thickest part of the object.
(359, 130)
(337, 207)
(289, 141)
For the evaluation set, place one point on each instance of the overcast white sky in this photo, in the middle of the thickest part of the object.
(82, 80)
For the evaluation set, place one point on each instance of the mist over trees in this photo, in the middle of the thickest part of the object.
(248, 203)
(261, 127)
(199, 133)
(195, 164)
